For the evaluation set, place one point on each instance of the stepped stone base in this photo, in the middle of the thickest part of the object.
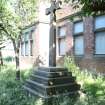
(47, 82)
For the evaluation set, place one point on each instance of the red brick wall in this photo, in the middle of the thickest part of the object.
(29, 61)
(89, 60)
(88, 37)
(69, 38)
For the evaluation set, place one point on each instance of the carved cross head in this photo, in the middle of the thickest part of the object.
(54, 6)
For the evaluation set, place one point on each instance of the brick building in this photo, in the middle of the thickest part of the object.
(83, 37)
(35, 42)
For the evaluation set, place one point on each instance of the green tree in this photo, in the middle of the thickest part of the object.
(2, 41)
(14, 15)
(89, 7)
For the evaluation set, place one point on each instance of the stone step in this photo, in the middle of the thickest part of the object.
(52, 74)
(52, 81)
(52, 69)
(55, 89)
(48, 96)
(63, 89)
(33, 91)
(36, 87)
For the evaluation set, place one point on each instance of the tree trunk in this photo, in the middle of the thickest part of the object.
(17, 65)
(1, 59)
(16, 46)
(16, 49)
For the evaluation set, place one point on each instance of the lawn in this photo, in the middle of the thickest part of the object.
(12, 93)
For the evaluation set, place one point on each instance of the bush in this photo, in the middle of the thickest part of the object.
(11, 91)
(9, 59)
(92, 85)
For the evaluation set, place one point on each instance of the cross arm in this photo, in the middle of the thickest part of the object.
(48, 11)
(54, 6)
(58, 5)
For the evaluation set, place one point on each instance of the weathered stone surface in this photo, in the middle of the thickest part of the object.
(48, 82)
(51, 82)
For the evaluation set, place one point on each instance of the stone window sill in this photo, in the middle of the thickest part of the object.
(99, 55)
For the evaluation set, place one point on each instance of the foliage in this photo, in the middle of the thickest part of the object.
(92, 84)
(9, 59)
(11, 91)
(15, 15)
(88, 7)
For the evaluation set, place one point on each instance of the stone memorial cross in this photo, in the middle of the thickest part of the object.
(52, 81)
(55, 5)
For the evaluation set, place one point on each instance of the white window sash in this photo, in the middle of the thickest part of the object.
(31, 48)
(62, 31)
(100, 43)
(100, 22)
(78, 27)
(26, 48)
(26, 36)
(79, 45)
(62, 45)
(22, 49)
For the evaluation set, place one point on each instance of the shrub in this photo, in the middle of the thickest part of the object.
(92, 85)
(9, 59)
(11, 91)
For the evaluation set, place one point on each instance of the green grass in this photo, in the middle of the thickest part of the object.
(92, 84)
(11, 92)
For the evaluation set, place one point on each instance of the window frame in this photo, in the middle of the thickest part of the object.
(31, 47)
(98, 30)
(59, 38)
(26, 33)
(31, 42)
(59, 42)
(25, 48)
(74, 27)
(31, 34)
(22, 49)
(77, 35)
(27, 38)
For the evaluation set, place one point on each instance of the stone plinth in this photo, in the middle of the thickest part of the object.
(47, 82)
